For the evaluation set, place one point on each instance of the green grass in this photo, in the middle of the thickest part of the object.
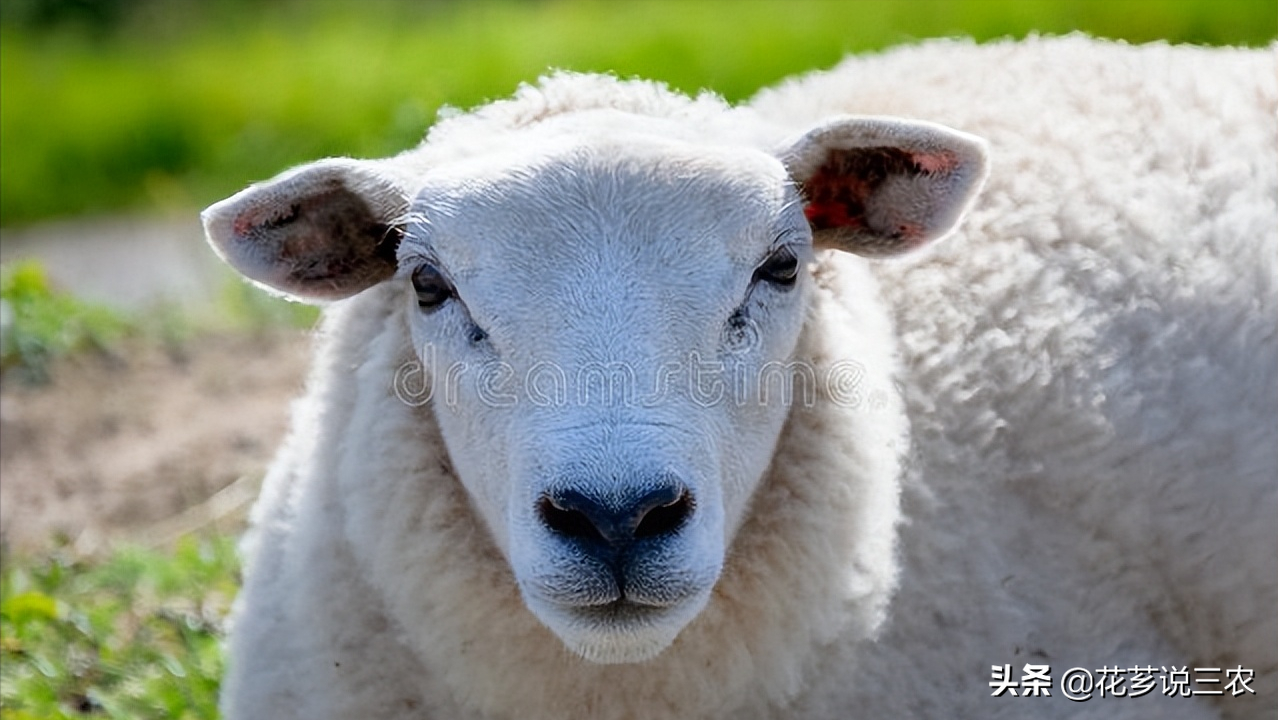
(41, 324)
(134, 636)
(179, 103)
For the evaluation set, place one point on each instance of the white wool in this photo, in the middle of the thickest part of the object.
(459, 135)
(1082, 382)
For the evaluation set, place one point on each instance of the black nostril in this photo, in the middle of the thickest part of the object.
(567, 521)
(619, 522)
(665, 519)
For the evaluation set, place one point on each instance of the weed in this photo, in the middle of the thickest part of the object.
(39, 323)
(135, 635)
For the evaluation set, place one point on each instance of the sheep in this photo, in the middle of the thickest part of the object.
(629, 404)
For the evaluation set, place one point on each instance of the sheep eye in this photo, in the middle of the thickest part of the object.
(781, 268)
(431, 287)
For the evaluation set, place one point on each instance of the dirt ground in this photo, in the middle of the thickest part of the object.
(146, 444)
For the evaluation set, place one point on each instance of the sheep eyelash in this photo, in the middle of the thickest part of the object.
(412, 217)
(411, 227)
(411, 224)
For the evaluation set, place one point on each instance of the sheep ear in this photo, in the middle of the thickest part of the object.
(879, 186)
(323, 231)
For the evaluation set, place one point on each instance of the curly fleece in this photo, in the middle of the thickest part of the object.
(1088, 382)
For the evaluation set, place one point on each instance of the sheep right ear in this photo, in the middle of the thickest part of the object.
(323, 231)
(879, 186)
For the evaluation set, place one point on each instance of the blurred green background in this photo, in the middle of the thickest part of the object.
(114, 105)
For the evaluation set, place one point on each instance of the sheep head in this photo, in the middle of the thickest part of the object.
(607, 305)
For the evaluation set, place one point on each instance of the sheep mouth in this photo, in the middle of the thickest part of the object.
(620, 612)
(619, 632)
(617, 604)
(618, 627)
(637, 586)
(620, 607)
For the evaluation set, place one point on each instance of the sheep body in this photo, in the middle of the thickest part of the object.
(1097, 350)
(1087, 377)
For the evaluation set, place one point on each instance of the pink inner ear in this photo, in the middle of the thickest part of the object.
(836, 212)
(934, 163)
(839, 192)
(244, 223)
(253, 219)
(324, 244)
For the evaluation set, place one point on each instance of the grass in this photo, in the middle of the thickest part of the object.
(133, 636)
(40, 323)
(180, 103)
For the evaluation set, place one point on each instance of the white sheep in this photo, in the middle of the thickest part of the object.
(594, 433)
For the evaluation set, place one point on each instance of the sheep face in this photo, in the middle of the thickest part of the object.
(607, 306)
(599, 318)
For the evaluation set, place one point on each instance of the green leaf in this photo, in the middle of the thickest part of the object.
(25, 607)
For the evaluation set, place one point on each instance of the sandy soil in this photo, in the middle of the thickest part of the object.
(146, 444)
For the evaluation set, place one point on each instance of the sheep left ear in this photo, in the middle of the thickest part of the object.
(322, 231)
(879, 186)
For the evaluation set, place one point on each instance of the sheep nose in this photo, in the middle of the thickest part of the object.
(615, 525)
